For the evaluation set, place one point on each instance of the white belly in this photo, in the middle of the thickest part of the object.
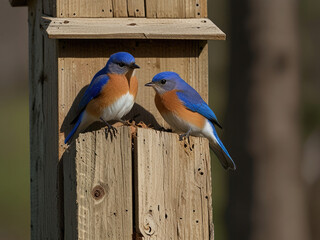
(180, 125)
(119, 108)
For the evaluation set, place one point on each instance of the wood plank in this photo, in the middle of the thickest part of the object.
(120, 8)
(79, 60)
(136, 8)
(44, 160)
(83, 8)
(172, 186)
(98, 187)
(176, 9)
(18, 3)
(131, 28)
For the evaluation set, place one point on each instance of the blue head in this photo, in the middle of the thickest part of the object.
(166, 81)
(121, 63)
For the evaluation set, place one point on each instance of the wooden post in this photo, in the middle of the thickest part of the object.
(144, 183)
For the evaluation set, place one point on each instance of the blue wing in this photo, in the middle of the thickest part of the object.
(91, 92)
(193, 101)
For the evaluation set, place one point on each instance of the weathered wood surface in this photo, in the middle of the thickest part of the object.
(44, 160)
(131, 28)
(58, 77)
(18, 3)
(176, 8)
(128, 8)
(172, 186)
(136, 8)
(98, 187)
(79, 60)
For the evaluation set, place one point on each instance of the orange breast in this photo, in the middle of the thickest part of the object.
(133, 86)
(169, 102)
(116, 87)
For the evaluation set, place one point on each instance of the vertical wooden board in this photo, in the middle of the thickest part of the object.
(83, 8)
(79, 60)
(203, 5)
(98, 187)
(44, 161)
(176, 9)
(120, 8)
(172, 186)
(203, 74)
(49, 7)
(136, 8)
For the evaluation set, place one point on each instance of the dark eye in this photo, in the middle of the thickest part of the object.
(163, 81)
(121, 64)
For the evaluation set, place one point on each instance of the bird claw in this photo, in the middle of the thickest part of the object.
(112, 130)
(185, 135)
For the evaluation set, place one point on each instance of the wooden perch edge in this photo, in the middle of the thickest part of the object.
(169, 180)
(131, 28)
(18, 3)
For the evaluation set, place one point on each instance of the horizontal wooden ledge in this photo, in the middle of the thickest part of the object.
(131, 28)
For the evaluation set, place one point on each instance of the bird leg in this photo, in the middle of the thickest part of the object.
(111, 129)
(185, 135)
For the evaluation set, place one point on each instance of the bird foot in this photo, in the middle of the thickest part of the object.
(109, 130)
(185, 136)
(112, 131)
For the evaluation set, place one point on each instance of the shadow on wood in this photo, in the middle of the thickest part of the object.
(170, 179)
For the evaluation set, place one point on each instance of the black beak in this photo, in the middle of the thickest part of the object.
(149, 84)
(134, 66)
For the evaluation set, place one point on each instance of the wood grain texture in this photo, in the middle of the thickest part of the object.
(173, 186)
(176, 9)
(120, 8)
(131, 28)
(79, 60)
(44, 160)
(136, 8)
(98, 187)
(83, 8)
(125, 8)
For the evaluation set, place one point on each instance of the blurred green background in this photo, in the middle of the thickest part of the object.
(238, 205)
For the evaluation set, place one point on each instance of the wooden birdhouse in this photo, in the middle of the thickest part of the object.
(144, 183)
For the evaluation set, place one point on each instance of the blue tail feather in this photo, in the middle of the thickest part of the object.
(74, 128)
(222, 152)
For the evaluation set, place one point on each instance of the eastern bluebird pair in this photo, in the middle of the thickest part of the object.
(112, 92)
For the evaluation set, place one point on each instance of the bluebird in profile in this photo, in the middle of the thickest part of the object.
(110, 95)
(186, 112)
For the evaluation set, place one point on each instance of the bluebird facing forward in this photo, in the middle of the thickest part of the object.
(183, 109)
(110, 95)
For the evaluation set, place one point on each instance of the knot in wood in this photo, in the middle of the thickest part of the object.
(149, 225)
(98, 192)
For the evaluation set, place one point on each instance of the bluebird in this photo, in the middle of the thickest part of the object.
(186, 112)
(110, 95)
